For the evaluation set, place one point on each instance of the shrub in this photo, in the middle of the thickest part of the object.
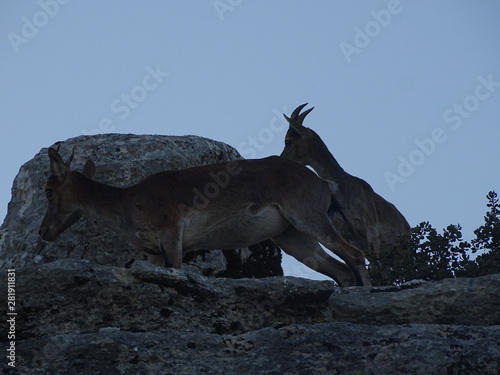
(429, 255)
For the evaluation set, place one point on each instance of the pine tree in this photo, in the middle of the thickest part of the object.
(487, 239)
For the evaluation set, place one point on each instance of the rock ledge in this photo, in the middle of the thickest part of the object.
(82, 318)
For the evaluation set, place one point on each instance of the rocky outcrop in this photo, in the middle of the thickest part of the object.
(122, 160)
(78, 317)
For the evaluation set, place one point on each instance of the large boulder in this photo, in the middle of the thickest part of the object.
(121, 160)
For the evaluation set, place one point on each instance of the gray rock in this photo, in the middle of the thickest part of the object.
(78, 317)
(464, 301)
(122, 160)
(323, 348)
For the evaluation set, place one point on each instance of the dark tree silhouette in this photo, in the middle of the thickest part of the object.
(430, 255)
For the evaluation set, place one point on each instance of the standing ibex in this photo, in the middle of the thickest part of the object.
(370, 216)
(222, 206)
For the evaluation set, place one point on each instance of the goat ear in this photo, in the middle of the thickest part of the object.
(57, 165)
(89, 169)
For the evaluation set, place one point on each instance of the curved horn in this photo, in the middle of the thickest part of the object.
(58, 148)
(57, 165)
(303, 115)
(70, 158)
(296, 118)
(297, 110)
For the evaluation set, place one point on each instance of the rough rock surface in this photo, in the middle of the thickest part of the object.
(78, 317)
(121, 160)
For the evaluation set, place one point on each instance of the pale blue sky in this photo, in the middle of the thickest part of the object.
(384, 77)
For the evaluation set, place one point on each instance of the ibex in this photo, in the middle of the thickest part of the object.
(371, 217)
(222, 206)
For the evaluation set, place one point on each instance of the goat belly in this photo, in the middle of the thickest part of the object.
(238, 229)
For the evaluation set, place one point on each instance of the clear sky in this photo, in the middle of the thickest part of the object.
(406, 93)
